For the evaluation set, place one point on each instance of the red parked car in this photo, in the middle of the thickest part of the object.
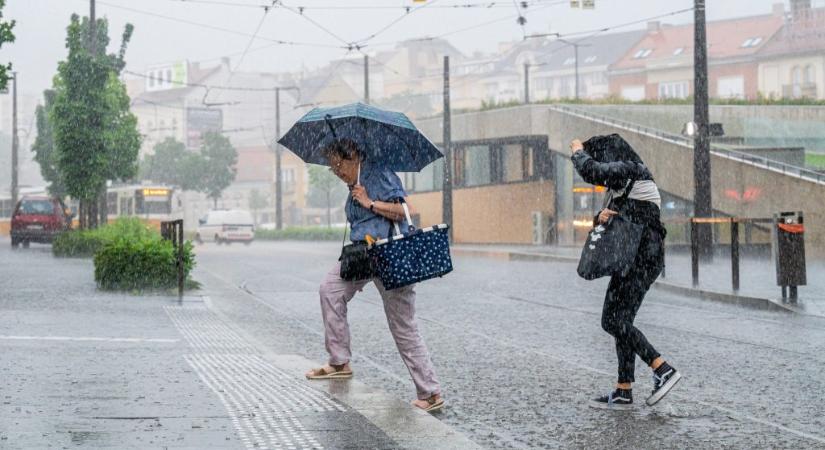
(38, 219)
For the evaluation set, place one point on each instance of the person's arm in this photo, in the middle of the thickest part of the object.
(391, 210)
(613, 174)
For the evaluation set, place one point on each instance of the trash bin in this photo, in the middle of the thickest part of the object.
(789, 253)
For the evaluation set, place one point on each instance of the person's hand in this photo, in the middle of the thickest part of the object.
(576, 145)
(359, 194)
(605, 215)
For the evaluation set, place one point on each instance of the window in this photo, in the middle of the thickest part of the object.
(678, 51)
(590, 59)
(643, 53)
(425, 179)
(36, 207)
(810, 74)
(512, 163)
(5, 208)
(633, 93)
(477, 169)
(796, 81)
(569, 61)
(168, 76)
(731, 87)
(677, 89)
(111, 203)
(752, 42)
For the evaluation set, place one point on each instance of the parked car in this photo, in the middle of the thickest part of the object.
(225, 227)
(38, 219)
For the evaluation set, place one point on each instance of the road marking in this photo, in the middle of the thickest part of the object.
(86, 339)
(263, 401)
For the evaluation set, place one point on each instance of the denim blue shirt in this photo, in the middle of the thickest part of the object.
(382, 185)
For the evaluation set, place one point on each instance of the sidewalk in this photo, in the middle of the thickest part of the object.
(83, 368)
(757, 276)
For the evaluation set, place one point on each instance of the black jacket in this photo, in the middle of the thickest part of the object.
(616, 175)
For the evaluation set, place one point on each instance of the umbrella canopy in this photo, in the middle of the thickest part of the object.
(383, 137)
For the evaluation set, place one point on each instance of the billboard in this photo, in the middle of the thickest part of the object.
(199, 121)
(167, 76)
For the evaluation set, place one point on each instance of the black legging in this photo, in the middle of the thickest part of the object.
(622, 302)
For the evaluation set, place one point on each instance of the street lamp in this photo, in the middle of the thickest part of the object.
(575, 46)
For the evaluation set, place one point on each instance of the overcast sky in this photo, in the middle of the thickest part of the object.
(162, 34)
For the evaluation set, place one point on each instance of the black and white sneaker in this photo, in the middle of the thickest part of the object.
(620, 400)
(664, 378)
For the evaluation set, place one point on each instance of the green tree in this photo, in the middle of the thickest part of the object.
(43, 147)
(6, 35)
(172, 164)
(95, 135)
(219, 159)
(325, 189)
(257, 201)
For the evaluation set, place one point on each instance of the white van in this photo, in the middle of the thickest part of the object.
(226, 226)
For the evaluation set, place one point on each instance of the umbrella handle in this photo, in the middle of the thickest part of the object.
(328, 120)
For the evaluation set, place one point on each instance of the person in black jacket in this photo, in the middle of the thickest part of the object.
(610, 161)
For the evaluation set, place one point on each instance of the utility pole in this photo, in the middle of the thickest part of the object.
(367, 79)
(701, 143)
(447, 187)
(14, 141)
(526, 83)
(279, 214)
(576, 57)
(279, 217)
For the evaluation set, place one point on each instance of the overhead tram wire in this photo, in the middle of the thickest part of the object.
(216, 28)
(300, 12)
(466, 5)
(243, 55)
(407, 13)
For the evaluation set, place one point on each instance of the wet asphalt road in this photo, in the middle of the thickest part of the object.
(519, 351)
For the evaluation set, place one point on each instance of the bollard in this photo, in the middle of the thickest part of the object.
(694, 252)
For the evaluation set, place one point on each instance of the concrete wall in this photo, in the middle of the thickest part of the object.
(738, 189)
(499, 214)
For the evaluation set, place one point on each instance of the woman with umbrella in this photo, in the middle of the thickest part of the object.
(610, 161)
(364, 146)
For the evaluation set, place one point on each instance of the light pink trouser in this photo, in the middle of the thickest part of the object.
(399, 306)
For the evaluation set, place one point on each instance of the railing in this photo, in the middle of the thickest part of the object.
(173, 231)
(758, 161)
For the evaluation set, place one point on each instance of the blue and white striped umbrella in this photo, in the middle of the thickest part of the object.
(384, 137)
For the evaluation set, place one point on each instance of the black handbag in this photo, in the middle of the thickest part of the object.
(356, 263)
(611, 248)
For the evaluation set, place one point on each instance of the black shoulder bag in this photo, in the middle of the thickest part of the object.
(611, 247)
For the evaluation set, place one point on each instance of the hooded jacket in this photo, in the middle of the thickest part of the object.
(610, 161)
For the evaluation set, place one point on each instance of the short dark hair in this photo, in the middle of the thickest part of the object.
(345, 148)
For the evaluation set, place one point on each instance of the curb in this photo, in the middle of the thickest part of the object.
(741, 300)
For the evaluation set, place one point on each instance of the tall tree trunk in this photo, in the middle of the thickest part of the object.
(93, 212)
(103, 209)
(81, 214)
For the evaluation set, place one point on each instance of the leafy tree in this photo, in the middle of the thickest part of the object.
(43, 147)
(219, 169)
(6, 35)
(325, 189)
(95, 135)
(257, 201)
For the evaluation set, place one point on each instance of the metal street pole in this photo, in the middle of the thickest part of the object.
(447, 187)
(279, 216)
(367, 79)
(278, 192)
(526, 83)
(701, 144)
(14, 141)
(576, 57)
